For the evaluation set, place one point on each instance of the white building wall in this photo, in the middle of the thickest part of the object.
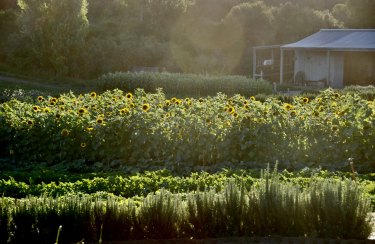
(314, 65)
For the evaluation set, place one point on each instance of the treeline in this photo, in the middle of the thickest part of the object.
(87, 38)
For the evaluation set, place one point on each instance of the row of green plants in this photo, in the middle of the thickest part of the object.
(149, 182)
(147, 127)
(326, 208)
(183, 85)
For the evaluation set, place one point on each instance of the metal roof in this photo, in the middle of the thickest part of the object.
(337, 39)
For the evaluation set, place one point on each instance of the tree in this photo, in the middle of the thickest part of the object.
(361, 13)
(55, 31)
(255, 22)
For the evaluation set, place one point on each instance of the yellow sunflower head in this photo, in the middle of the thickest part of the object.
(252, 98)
(124, 111)
(29, 122)
(65, 132)
(36, 108)
(82, 111)
(288, 106)
(129, 96)
(146, 107)
(231, 110)
(83, 145)
(93, 94)
(46, 110)
(305, 100)
(100, 120)
(40, 98)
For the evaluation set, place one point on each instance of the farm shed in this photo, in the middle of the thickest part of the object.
(336, 57)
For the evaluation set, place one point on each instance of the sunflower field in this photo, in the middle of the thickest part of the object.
(142, 127)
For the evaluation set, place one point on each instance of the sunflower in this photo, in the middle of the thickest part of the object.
(293, 113)
(231, 110)
(62, 108)
(167, 103)
(36, 108)
(187, 100)
(124, 111)
(82, 111)
(245, 102)
(93, 94)
(52, 103)
(201, 100)
(83, 145)
(178, 102)
(131, 105)
(228, 123)
(129, 96)
(65, 132)
(46, 110)
(288, 106)
(29, 122)
(146, 107)
(40, 98)
(235, 115)
(89, 128)
(100, 120)
(252, 98)
(58, 116)
(319, 99)
(109, 114)
(305, 100)
(320, 108)
(53, 100)
(189, 103)
(336, 95)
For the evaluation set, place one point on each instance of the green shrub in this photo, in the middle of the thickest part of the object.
(183, 85)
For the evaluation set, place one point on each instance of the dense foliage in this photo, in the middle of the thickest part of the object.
(270, 207)
(184, 85)
(120, 128)
(196, 36)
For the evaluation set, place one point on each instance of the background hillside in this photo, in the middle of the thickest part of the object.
(87, 38)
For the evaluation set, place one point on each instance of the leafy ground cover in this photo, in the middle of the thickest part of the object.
(269, 207)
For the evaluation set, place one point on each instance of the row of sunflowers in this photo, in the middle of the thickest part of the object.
(145, 127)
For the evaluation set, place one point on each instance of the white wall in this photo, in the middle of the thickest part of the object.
(314, 65)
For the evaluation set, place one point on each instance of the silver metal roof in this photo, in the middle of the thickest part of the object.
(337, 39)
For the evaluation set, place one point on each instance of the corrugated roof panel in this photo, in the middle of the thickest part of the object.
(343, 39)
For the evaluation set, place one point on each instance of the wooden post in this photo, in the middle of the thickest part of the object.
(281, 65)
(254, 62)
(328, 77)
